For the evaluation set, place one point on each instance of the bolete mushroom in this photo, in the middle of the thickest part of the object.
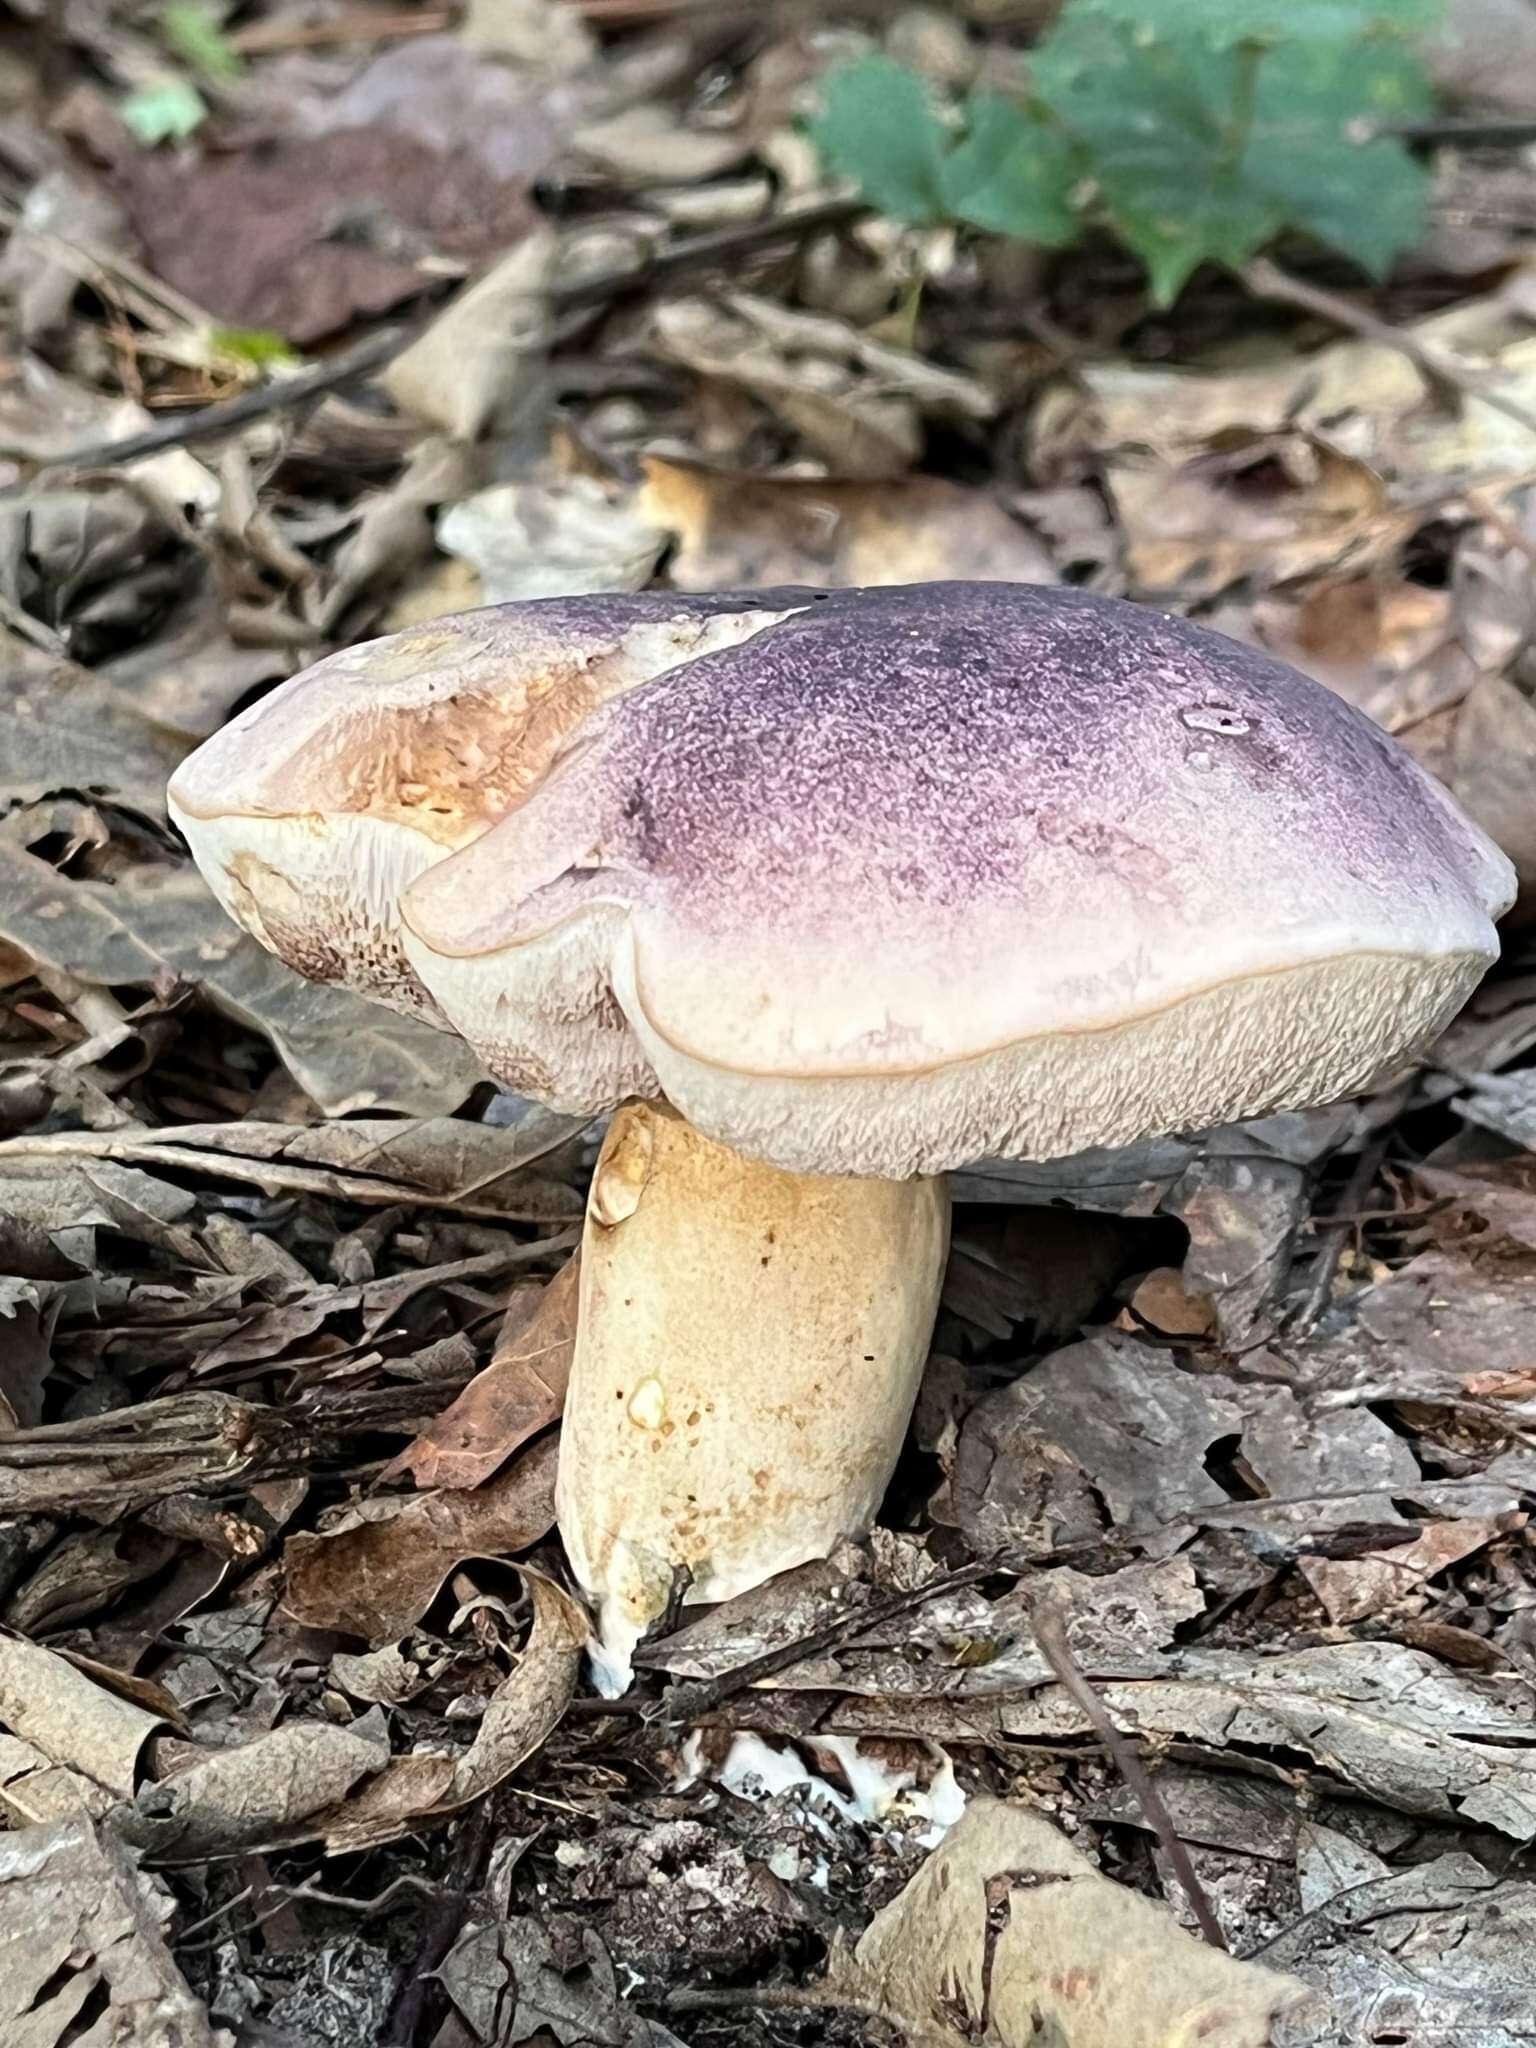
(312, 810)
(886, 881)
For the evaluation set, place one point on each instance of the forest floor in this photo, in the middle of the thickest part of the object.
(1210, 1555)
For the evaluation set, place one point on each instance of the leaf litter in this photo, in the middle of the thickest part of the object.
(295, 1742)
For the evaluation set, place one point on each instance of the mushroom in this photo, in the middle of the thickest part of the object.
(312, 810)
(894, 880)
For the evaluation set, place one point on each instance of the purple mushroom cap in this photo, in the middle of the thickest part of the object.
(879, 881)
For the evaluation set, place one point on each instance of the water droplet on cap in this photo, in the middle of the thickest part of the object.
(1214, 718)
(1199, 758)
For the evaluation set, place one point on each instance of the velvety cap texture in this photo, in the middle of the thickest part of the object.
(885, 880)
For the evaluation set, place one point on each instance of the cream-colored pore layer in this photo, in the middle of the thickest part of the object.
(1291, 1038)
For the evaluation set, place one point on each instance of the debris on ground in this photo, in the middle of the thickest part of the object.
(1186, 1689)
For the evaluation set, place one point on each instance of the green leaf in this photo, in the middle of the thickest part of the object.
(194, 32)
(879, 128)
(168, 109)
(1013, 174)
(1159, 125)
(259, 346)
(1203, 153)
(1367, 199)
(1223, 23)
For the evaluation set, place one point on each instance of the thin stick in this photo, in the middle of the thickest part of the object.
(261, 38)
(686, 1701)
(1348, 1207)
(281, 394)
(1052, 1639)
(1470, 130)
(772, 1998)
(1267, 280)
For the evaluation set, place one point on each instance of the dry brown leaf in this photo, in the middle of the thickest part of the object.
(62, 727)
(486, 348)
(1351, 1588)
(737, 531)
(154, 924)
(394, 532)
(68, 1718)
(1162, 1300)
(857, 403)
(1368, 637)
(1008, 1935)
(83, 1955)
(1389, 1722)
(259, 1792)
(519, 1393)
(1364, 400)
(252, 233)
(431, 1162)
(387, 1677)
(647, 145)
(377, 1579)
(1259, 510)
(519, 1717)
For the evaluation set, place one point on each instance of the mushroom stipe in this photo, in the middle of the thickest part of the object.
(832, 891)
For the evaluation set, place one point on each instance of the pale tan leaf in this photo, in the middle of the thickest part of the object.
(64, 1714)
(1010, 1936)
(733, 531)
(83, 1956)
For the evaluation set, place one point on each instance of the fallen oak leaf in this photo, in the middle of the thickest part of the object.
(377, 1579)
(1008, 1935)
(519, 1393)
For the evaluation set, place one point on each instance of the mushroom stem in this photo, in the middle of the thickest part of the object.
(748, 1352)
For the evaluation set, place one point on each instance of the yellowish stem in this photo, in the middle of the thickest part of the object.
(748, 1351)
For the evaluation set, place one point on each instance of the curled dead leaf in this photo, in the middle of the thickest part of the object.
(519, 1393)
(520, 1716)
(378, 1578)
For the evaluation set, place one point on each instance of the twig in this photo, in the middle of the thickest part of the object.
(1267, 280)
(443, 1924)
(771, 1998)
(712, 245)
(1335, 1227)
(1052, 1639)
(685, 1702)
(1471, 130)
(262, 38)
(282, 394)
